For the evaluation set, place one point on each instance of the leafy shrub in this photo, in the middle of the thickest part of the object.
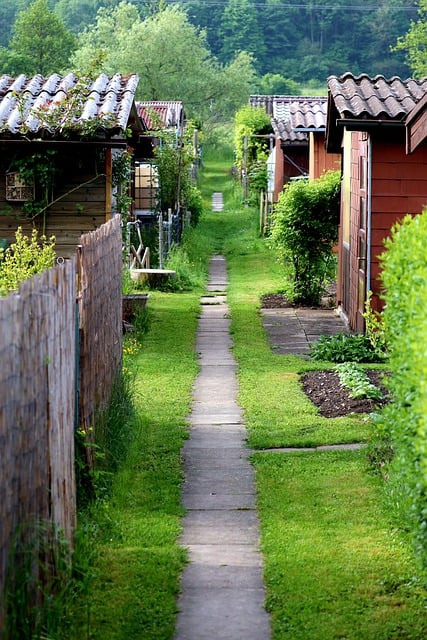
(304, 231)
(24, 258)
(344, 347)
(194, 204)
(374, 329)
(251, 140)
(404, 421)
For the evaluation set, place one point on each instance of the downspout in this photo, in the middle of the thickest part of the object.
(369, 221)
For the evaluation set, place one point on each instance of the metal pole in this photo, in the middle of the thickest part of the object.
(245, 170)
(161, 240)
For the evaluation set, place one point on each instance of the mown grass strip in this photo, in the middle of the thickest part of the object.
(334, 568)
(132, 536)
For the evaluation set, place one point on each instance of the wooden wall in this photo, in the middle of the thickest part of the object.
(321, 161)
(399, 187)
(79, 194)
(100, 317)
(37, 387)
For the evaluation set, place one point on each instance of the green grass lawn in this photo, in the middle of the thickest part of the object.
(335, 565)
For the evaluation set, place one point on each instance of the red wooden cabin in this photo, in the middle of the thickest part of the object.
(381, 183)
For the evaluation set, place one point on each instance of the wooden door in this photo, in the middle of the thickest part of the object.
(362, 245)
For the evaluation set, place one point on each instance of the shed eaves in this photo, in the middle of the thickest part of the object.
(23, 100)
(286, 133)
(378, 98)
(170, 112)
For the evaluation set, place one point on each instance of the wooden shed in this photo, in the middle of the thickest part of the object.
(59, 139)
(381, 183)
(299, 125)
(168, 115)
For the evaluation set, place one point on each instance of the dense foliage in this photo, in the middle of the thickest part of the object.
(414, 42)
(252, 130)
(305, 229)
(344, 347)
(292, 41)
(404, 422)
(25, 258)
(39, 43)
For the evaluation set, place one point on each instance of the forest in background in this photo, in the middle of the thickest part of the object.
(300, 40)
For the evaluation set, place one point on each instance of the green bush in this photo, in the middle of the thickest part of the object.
(304, 231)
(24, 258)
(344, 347)
(194, 203)
(404, 422)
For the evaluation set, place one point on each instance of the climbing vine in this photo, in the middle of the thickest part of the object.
(40, 170)
(121, 180)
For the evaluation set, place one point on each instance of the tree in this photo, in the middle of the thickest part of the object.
(240, 31)
(415, 43)
(273, 84)
(77, 14)
(171, 58)
(40, 42)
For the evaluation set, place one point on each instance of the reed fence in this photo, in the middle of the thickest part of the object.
(59, 361)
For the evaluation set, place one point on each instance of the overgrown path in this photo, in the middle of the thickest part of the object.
(222, 586)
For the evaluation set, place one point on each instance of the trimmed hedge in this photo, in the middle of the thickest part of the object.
(404, 421)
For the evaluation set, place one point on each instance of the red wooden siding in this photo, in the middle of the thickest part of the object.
(321, 161)
(398, 188)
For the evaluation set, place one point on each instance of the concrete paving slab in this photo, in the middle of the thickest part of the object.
(236, 526)
(213, 300)
(216, 287)
(220, 577)
(213, 391)
(219, 501)
(207, 481)
(222, 614)
(290, 328)
(231, 555)
(207, 360)
(229, 418)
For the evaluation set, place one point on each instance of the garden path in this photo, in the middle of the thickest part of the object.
(222, 590)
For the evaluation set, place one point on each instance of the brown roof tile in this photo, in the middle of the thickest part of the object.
(378, 98)
(295, 117)
(21, 99)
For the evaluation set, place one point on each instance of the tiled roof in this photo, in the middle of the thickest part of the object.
(283, 129)
(266, 102)
(295, 117)
(378, 98)
(169, 112)
(22, 98)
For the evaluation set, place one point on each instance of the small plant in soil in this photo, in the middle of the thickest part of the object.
(344, 347)
(354, 378)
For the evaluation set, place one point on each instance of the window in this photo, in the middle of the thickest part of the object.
(17, 189)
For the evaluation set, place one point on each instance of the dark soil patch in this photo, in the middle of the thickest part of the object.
(275, 301)
(325, 391)
(279, 300)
